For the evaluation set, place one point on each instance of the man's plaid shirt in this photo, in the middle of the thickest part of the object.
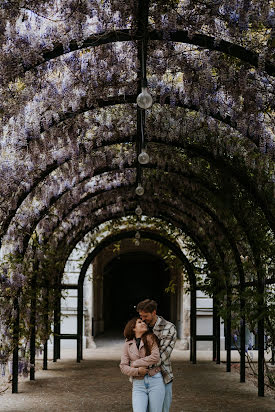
(167, 335)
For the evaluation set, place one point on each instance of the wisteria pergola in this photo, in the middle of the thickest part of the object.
(70, 72)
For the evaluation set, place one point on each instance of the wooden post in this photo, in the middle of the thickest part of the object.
(32, 326)
(214, 323)
(260, 290)
(15, 346)
(79, 321)
(228, 329)
(193, 325)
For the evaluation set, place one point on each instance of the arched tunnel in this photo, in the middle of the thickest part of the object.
(136, 116)
(117, 279)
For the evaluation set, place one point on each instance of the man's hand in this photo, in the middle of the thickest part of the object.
(142, 371)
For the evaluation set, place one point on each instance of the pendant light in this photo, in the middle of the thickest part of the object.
(139, 190)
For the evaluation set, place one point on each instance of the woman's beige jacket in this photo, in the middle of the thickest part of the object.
(132, 358)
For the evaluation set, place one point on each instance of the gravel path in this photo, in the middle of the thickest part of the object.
(96, 385)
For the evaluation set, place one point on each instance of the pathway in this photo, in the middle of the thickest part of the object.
(96, 385)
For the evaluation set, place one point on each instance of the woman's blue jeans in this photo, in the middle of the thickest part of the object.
(150, 389)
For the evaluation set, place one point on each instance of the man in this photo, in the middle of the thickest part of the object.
(167, 335)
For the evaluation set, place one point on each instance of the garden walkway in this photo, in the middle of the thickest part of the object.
(96, 385)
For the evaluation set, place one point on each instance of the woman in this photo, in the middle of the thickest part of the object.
(140, 354)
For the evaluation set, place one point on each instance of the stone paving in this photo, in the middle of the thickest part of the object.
(96, 385)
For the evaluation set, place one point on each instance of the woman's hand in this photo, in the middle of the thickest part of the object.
(142, 371)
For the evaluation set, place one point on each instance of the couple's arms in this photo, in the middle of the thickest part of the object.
(130, 368)
(152, 359)
(125, 363)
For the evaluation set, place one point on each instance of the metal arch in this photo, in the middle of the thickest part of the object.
(117, 215)
(220, 165)
(51, 167)
(216, 326)
(114, 238)
(131, 99)
(206, 209)
(6, 224)
(100, 104)
(94, 194)
(193, 291)
(15, 383)
(55, 166)
(194, 352)
(129, 186)
(197, 204)
(180, 36)
(193, 236)
(194, 338)
(180, 223)
(146, 235)
(82, 201)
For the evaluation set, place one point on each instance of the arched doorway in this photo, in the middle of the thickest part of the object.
(130, 278)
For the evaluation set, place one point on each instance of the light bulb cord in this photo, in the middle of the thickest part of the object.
(142, 128)
(142, 59)
(143, 66)
(143, 85)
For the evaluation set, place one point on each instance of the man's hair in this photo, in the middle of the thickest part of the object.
(147, 305)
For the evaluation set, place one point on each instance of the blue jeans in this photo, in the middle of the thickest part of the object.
(150, 390)
(168, 397)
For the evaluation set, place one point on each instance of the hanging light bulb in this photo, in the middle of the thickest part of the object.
(137, 235)
(138, 211)
(138, 225)
(137, 242)
(144, 99)
(143, 157)
(139, 190)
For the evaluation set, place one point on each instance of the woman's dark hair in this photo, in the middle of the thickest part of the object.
(129, 334)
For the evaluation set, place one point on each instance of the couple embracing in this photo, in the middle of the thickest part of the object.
(150, 340)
